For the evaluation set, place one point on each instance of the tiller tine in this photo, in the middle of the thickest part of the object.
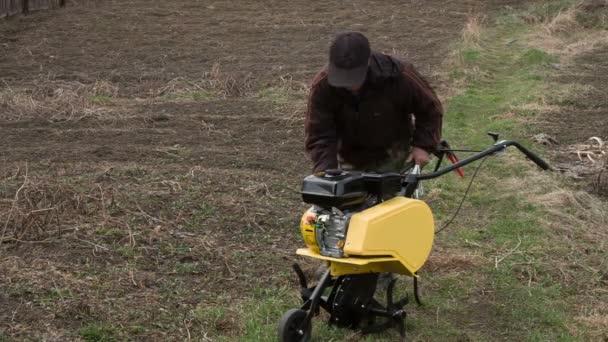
(394, 313)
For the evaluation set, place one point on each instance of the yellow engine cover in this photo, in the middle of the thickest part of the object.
(402, 228)
(307, 229)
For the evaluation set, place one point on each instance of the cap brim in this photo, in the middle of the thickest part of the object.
(346, 78)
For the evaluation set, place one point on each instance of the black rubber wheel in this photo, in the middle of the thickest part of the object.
(289, 325)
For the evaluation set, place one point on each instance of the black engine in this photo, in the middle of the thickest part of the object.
(344, 189)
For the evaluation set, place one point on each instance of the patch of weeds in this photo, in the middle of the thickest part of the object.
(136, 330)
(276, 95)
(508, 228)
(545, 10)
(197, 96)
(539, 302)
(171, 288)
(187, 268)
(471, 235)
(169, 97)
(201, 96)
(101, 99)
(18, 291)
(537, 57)
(573, 95)
(210, 316)
(426, 329)
(108, 232)
(199, 212)
(244, 256)
(593, 18)
(135, 172)
(54, 295)
(126, 251)
(470, 55)
(448, 289)
(202, 212)
(178, 151)
(263, 311)
(96, 332)
(169, 249)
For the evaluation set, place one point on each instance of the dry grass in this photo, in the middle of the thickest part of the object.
(215, 83)
(563, 22)
(581, 161)
(58, 100)
(471, 33)
(566, 36)
(584, 210)
(570, 48)
(580, 220)
(54, 100)
(229, 84)
(37, 208)
(471, 36)
(40, 209)
(539, 107)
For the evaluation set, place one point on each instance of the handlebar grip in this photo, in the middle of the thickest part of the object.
(536, 159)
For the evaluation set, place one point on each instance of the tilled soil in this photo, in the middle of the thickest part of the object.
(582, 115)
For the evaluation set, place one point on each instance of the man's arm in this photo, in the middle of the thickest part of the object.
(426, 108)
(320, 128)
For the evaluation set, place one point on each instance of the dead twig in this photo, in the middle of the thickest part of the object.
(132, 276)
(232, 276)
(498, 260)
(145, 214)
(92, 244)
(15, 203)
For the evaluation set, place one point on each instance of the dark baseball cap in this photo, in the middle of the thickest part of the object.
(348, 59)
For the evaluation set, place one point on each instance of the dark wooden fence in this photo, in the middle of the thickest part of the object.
(12, 7)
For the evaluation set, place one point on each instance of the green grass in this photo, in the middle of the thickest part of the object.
(536, 57)
(96, 332)
(196, 96)
(101, 99)
(536, 12)
(276, 95)
(594, 19)
(54, 295)
(280, 94)
(470, 55)
(503, 77)
(211, 318)
(187, 267)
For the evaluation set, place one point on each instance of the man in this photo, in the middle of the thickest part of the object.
(369, 111)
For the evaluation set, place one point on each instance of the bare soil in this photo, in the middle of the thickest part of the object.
(582, 114)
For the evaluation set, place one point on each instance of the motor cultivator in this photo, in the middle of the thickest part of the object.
(364, 225)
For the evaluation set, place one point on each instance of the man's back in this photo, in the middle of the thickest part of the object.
(367, 127)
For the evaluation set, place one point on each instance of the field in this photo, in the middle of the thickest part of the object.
(152, 154)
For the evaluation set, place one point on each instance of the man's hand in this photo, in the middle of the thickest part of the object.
(419, 156)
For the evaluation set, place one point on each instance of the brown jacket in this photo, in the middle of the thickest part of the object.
(363, 128)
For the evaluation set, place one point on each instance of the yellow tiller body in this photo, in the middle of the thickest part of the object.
(366, 226)
(394, 236)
